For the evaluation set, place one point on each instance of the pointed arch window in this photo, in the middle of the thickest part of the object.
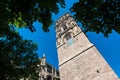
(64, 27)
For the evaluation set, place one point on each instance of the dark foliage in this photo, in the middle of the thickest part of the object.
(17, 57)
(98, 15)
(24, 13)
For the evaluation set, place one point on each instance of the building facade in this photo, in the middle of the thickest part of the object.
(47, 71)
(78, 57)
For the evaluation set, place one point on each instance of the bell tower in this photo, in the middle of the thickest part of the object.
(78, 57)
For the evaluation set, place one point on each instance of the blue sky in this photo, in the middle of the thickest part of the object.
(108, 47)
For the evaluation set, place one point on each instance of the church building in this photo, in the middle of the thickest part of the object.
(78, 57)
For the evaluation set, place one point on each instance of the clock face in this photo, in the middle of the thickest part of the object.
(69, 41)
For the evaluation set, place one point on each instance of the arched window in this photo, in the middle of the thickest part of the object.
(67, 35)
(57, 29)
(64, 27)
(73, 23)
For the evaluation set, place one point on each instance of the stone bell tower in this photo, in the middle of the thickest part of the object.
(78, 57)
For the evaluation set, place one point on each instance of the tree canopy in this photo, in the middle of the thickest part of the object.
(24, 13)
(98, 15)
(18, 57)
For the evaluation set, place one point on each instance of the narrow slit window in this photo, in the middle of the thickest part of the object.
(98, 71)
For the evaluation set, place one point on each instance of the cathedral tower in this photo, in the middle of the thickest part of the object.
(78, 57)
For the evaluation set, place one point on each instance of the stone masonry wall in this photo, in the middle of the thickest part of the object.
(80, 60)
(89, 65)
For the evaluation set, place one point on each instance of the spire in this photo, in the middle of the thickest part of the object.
(43, 60)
